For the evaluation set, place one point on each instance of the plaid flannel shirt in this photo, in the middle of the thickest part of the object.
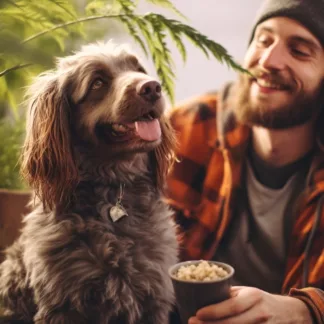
(203, 186)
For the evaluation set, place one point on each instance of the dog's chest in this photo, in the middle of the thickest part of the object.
(142, 243)
(141, 232)
(138, 215)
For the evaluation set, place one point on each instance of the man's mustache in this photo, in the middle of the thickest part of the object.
(273, 77)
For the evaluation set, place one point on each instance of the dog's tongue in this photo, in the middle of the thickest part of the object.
(148, 130)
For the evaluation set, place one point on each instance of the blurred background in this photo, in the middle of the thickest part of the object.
(226, 22)
(31, 36)
(34, 32)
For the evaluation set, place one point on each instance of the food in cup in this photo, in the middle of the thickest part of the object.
(202, 271)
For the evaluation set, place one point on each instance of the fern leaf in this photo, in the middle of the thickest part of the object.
(207, 45)
(160, 54)
(133, 32)
(126, 6)
(178, 42)
(99, 7)
(65, 6)
(169, 5)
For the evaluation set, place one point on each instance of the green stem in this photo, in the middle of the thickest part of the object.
(69, 23)
(74, 22)
(16, 67)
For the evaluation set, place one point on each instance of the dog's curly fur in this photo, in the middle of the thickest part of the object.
(72, 263)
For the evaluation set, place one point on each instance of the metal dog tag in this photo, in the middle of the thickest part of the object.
(117, 212)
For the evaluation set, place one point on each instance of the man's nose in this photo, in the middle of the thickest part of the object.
(273, 58)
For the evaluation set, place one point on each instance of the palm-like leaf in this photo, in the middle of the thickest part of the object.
(149, 31)
(32, 32)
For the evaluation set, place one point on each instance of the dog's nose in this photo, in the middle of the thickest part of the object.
(149, 90)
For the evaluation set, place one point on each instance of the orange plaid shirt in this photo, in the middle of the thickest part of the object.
(202, 189)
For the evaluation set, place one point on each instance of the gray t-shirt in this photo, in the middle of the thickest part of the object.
(256, 243)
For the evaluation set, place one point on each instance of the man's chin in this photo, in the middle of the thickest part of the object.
(282, 109)
(267, 108)
(276, 100)
(274, 117)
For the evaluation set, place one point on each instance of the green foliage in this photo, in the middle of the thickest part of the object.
(24, 52)
(11, 134)
(43, 28)
(33, 32)
(19, 20)
(155, 27)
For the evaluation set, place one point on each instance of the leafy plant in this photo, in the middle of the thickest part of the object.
(33, 32)
(149, 31)
(11, 134)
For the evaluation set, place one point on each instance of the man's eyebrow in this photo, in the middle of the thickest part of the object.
(301, 39)
(263, 29)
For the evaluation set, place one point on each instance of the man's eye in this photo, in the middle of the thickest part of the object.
(97, 84)
(299, 52)
(263, 41)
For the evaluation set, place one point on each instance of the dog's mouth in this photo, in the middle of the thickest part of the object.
(146, 127)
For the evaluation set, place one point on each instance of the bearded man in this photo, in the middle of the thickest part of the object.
(249, 187)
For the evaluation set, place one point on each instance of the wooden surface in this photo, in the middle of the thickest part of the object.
(13, 205)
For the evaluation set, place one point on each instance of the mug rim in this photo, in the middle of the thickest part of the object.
(224, 265)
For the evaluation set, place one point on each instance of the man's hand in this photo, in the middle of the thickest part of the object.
(250, 306)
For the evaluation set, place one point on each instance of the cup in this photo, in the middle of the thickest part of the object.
(193, 295)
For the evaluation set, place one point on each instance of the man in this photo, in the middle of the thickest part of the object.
(249, 187)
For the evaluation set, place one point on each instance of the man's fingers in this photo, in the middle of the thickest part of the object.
(235, 290)
(245, 298)
(251, 316)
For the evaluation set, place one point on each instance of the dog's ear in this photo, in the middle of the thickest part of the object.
(164, 155)
(48, 163)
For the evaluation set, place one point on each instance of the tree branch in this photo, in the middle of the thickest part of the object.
(16, 67)
(69, 23)
(73, 22)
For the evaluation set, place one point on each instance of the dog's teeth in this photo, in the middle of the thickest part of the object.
(119, 128)
(148, 116)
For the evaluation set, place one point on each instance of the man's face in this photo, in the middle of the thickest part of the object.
(287, 61)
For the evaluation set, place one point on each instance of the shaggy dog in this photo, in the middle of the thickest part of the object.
(98, 244)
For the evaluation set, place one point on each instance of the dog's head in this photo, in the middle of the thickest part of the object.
(100, 99)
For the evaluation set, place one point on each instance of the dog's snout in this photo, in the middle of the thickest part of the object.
(149, 90)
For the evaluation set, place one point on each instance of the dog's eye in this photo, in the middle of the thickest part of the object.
(97, 84)
(141, 70)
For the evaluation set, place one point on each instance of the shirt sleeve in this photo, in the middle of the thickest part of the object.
(314, 299)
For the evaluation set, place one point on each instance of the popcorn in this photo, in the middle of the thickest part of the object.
(202, 271)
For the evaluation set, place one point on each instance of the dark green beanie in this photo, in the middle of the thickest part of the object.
(310, 13)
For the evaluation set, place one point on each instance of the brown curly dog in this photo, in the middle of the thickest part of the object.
(97, 246)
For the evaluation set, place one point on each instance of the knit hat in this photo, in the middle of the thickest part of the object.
(310, 13)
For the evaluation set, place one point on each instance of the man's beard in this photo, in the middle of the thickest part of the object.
(298, 112)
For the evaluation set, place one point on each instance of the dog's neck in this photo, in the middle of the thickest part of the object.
(114, 171)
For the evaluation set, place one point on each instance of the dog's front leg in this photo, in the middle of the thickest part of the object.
(15, 296)
(156, 312)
